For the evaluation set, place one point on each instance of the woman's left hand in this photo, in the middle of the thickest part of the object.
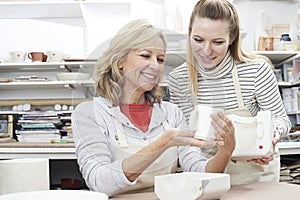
(266, 160)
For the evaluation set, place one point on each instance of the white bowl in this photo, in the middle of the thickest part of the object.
(191, 185)
(68, 76)
(56, 195)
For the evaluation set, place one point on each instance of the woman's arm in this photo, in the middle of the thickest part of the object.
(269, 98)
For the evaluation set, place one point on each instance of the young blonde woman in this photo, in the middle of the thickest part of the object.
(220, 74)
(128, 135)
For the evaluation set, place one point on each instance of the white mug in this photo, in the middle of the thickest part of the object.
(17, 56)
(200, 121)
(55, 56)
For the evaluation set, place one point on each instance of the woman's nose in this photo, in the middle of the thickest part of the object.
(154, 63)
(207, 48)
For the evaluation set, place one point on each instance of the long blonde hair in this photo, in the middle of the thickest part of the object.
(217, 10)
(108, 77)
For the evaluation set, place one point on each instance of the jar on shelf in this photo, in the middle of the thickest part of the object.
(290, 75)
(285, 37)
(286, 44)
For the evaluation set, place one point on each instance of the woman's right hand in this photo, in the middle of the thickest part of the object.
(224, 132)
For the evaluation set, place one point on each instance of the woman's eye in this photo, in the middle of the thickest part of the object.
(145, 55)
(198, 39)
(219, 42)
(160, 60)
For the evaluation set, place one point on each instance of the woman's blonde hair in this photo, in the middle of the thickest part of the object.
(217, 10)
(108, 77)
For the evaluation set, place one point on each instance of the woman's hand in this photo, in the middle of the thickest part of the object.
(177, 137)
(224, 132)
(266, 160)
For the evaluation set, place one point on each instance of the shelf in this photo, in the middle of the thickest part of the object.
(31, 152)
(278, 57)
(175, 58)
(46, 66)
(67, 151)
(47, 84)
(288, 84)
(42, 10)
(289, 148)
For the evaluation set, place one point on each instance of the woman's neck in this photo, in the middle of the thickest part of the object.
(133, 98)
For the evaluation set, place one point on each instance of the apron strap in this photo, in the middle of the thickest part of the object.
(121, 133)
(166, 125)
(237, 87)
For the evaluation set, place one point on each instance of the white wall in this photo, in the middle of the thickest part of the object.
(37, 35)
(76, 37)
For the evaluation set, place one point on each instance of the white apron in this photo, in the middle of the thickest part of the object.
(166, 163)
(243, 172)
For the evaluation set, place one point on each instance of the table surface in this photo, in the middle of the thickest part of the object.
(253, 191)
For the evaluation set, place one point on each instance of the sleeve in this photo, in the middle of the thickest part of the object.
(191, 159)
(94, 152)
(269, 98)
(180, 92)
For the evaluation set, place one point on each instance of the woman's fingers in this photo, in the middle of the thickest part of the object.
(222, 125)
(178, 137)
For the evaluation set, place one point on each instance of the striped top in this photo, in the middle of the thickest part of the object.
(215, 88)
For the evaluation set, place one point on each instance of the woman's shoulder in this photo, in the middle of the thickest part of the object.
(87, 106)
(256, 63)
(168, 105)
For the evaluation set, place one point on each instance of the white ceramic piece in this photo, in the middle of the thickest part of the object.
(191, 185)
(200, 121)
(254, 135)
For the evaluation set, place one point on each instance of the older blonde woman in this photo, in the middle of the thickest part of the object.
(128, 135)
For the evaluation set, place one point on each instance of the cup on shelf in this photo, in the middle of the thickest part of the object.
(55, 56)
(37, 56)
(17, 56)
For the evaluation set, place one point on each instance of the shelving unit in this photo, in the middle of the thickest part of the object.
(44, 67)
(278, 58)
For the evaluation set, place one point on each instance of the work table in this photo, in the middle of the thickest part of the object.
(253, 191)
(67, 151)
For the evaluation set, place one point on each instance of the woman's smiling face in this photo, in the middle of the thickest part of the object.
(143, 68)
(209, 41)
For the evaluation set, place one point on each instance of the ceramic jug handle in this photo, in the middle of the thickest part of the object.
(29, 55)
